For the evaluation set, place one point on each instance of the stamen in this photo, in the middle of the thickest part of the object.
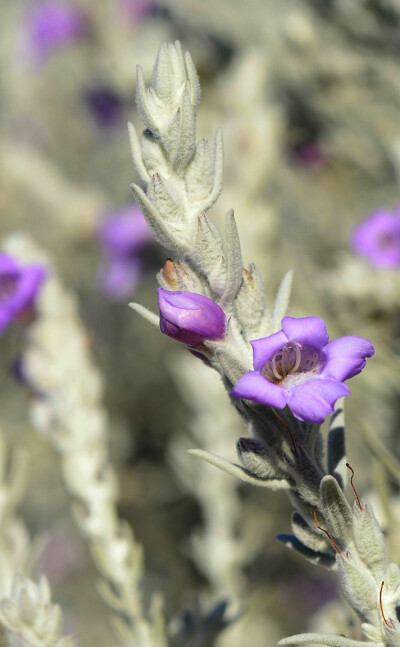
(274, 369)
(352, 485)
(326, 532)
(298, 357)
(381, 607)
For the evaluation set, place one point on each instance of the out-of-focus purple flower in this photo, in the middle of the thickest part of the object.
(300, 368)
(136, 10)
(125, 237)
(52, 25)
(19, 287)
(189, 317)
(378, 239)
(105, 106)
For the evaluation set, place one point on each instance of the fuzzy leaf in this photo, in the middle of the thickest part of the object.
(331, 640)
(136, 154)
(239, 471)
(142, 103)
(318, 558)
(234, 261)
(146, 314)
(282, 301)
(161, 79)
(170, 236)
(218, 172)
(193, 80)
(337, 512)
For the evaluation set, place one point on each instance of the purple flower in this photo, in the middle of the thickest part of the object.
(136, 10)
(19, 286)
(189, 317)
(52, 25)
(300, 368)
(105, 106)
(378, 239)
(125, 237)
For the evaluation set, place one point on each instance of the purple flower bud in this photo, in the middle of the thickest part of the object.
(19, 287)
(378, 239)
(189, 317)
(300, 368)
(52, 25)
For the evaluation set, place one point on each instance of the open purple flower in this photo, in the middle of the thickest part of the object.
(125, 237)
(19, 287)
(378, 239)
(189, 317)
(300, 368)
(51, 25)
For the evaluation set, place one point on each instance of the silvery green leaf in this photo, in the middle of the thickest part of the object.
(179, 139)
(177, 64)
(218, 172)
(161, 79)
(359, 587)
(162, 231)
(331, 640)
(153, 155)
(258, 458)
(250, 305)
(282, 301)
(336, 510)
(142, 103)
(371, 632)
(137, 154)
(208, 254)
(199, 174)
(234, 263)
(146, 314)
(392, 577)
(166, 202)
(239, 471)
(307, 474)
(318, 558)
(308, 535)
(193, 80)
(336, 449)
(368, 538)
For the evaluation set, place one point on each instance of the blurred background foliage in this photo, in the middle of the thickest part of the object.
(308, 95)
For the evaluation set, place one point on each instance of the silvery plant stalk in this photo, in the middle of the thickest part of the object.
(67, 408)
(216, 308)
(29, 617)
(16, 551)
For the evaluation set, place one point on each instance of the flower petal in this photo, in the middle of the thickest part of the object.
(346, 357)
(310, 331)
(253, 386)
(314, 400)
(266, 347)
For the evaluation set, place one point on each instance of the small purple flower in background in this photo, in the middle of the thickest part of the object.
(300, 368)
(105, 106)
(378, 239)
(52, 25)
(19, 287)
(189, 317)
(125, 238)
(136, 10)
